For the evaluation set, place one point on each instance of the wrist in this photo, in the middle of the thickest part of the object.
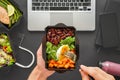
(42, 76)
(42, 73)
(37, 74)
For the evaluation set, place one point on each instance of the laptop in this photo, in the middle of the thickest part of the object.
(77, 13)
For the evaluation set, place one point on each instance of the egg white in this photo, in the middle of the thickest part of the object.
(58, 54)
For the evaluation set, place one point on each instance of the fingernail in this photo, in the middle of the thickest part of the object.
(83, 66)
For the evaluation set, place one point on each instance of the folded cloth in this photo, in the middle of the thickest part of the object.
(108, 33)
(112, 6)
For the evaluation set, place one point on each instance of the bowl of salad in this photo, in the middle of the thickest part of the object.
(60, 47)
(6, 52)
(9, 13)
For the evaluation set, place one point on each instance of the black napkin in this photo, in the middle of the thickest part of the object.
(114, 6)
(109, 30)
(109, 26)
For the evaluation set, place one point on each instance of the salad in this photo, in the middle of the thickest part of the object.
(9, 14)
(6, 56)
(60, 48)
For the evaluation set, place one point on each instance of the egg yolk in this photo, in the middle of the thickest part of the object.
(64, 49)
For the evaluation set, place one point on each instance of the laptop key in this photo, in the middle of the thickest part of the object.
(45, 0)
(86, 4)
(42, 8)
(61, 0)
(63, 4)
(55, 4)
(67, 4)
(76, 8)
(34, 1)
(81, 0)
(75, 4)
(87, 0)
(59, 8)
(65, 0)
(57, 0)
(59, 4)
(79, 4)
(36, 4)
(40, 0)
(73, 0)
(71, 4)
(46, 8)
(81, 9)
(85, 8)
(89, 9)
(37, 8)
(51, 4)
(49, 0)
(47, 4)
(69, 0)
(43, 4)
(33, 8)
(53, 0)
(71, 8)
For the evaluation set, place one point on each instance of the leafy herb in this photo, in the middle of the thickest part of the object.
(4, 42)
(69, 41)
(51, 51)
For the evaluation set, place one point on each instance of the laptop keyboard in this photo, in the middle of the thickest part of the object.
(61, 5)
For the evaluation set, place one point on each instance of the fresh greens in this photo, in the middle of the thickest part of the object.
(52, 49)
(14, 15)
(6, 57)
(4, 41)
(69, 41)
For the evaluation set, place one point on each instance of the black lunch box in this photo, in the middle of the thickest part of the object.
(59, 26)
(5, 69)
(16, 23)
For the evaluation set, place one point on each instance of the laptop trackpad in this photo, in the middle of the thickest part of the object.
(66, 18)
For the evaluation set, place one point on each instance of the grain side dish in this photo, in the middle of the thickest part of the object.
(60, 48)
(6, 52)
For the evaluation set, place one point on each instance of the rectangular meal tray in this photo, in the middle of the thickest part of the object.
(19, 20)
(60, 26)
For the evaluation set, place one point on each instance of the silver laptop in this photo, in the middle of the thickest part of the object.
(77, 13)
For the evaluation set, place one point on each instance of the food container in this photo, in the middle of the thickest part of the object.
(16, 17)
(7, 58)
(60, 48)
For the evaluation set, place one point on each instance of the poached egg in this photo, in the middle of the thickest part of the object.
(61, 51)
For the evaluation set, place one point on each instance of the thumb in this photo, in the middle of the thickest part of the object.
(84, 75)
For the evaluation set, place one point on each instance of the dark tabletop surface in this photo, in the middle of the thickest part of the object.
(88, 51)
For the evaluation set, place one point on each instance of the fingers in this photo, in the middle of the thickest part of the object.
(39, 55)
(39, 52)
(84, 75)
(95, 72)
